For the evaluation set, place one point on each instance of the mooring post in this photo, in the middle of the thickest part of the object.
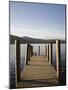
(38, 50)
(50, 53)
(58, 58)
(27, 54)
(31, 51)
(17, 57)
(47, 52)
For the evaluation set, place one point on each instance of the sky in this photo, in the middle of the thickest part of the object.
(44, 21)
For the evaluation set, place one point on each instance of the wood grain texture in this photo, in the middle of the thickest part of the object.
(38, 72)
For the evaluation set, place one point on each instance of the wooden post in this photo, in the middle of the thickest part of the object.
(50, 53)
(27, 56)
(47, 52)
(38, 50)
(58, 58)
(30, 51)
(17, 56)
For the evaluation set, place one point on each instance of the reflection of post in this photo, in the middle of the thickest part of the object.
(38, 50)
(50, 53)
(17, 55)
(47, 52)
(58, 58)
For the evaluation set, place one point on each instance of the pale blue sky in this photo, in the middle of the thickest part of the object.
(45, 21)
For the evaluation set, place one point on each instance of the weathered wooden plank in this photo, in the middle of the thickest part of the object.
(39, 69)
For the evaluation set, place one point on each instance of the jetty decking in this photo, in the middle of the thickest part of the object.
(38, 68)
(38, 71)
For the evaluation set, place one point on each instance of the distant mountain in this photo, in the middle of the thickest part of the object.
(26, 39)
(35, 40)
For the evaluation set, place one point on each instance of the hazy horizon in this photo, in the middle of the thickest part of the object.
(43, 21)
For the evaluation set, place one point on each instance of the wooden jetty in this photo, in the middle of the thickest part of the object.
(39, 70)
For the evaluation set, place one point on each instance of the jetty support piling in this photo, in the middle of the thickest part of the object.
(47, 52)
(30, 52)
(38, 50)
(50, 53)
(27, 54)
(17, 56)
(58, 58)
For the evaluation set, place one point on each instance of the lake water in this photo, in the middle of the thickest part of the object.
(42, 52)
